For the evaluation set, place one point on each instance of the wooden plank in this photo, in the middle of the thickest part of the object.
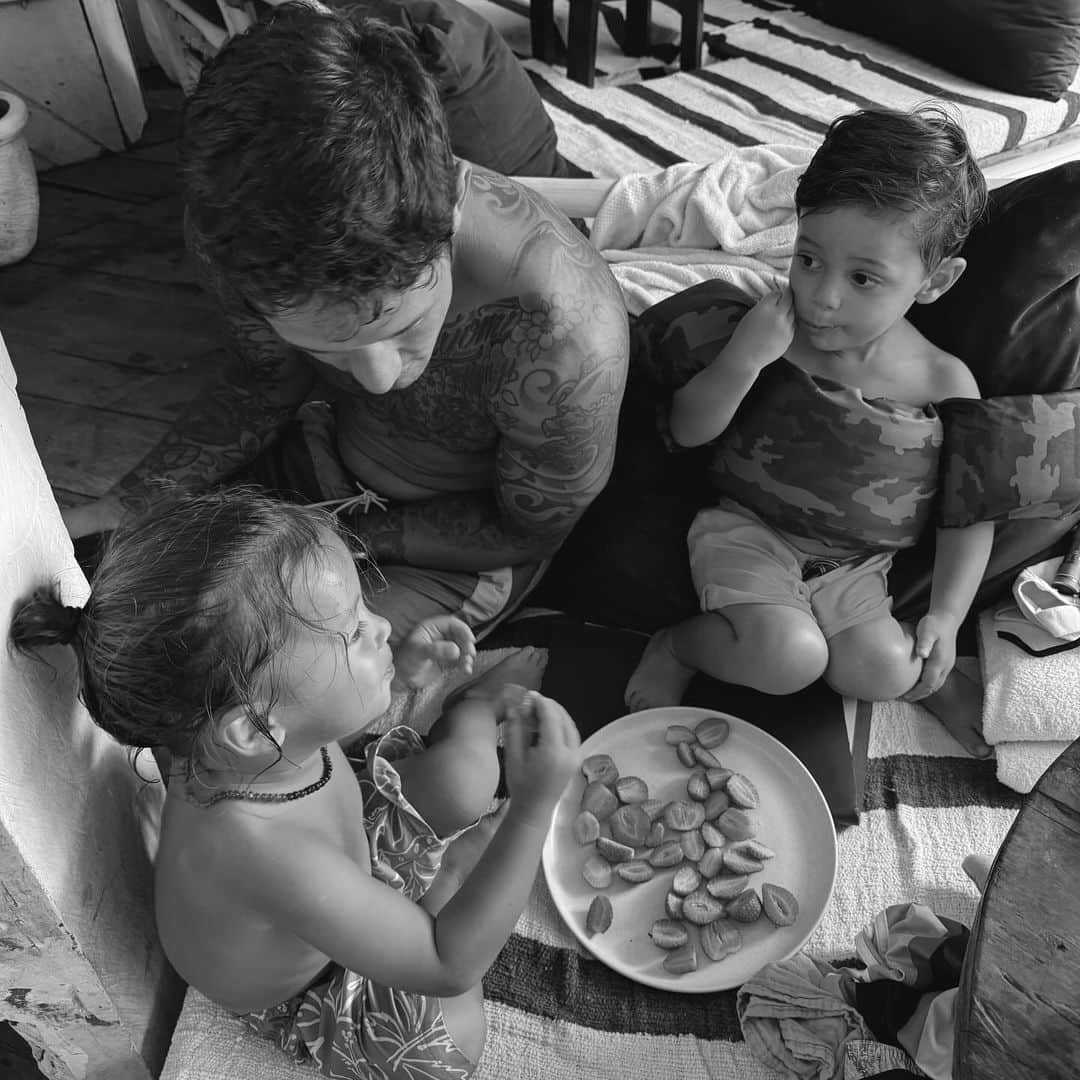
(117, 64)
(88, 450)
(119, 176)
(71, 107)
(64, 211)
(146, 244)
(146, 324)
(97, 384)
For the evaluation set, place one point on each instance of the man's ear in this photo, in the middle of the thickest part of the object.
(238, 734)
(464, 171)
(944, 277)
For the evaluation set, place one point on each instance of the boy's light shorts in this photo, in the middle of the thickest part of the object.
(735, 558)
(348, 1026)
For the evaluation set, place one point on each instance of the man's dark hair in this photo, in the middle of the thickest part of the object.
(917, 163)
(315, 161)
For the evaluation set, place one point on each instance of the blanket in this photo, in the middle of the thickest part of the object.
(555, 1013)
(731, 219)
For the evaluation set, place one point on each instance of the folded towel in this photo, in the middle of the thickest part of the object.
(732, 219)
(1020, 764)
(1031, 680)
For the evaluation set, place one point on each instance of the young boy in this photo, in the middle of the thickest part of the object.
(828, 444)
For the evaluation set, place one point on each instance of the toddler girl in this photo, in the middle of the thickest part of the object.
(231, 631)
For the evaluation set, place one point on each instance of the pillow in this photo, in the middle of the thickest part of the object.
(1014, 315)
(494, 113)
(1026, 47)
(1010, 458)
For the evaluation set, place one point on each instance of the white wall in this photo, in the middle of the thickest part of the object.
(81, 972)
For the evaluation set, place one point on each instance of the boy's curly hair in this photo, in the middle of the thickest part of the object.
(315, 161)
(916, 163)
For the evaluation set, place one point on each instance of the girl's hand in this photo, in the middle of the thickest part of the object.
(542, 751)
(935, 645)
(437, 644)
(766, 330)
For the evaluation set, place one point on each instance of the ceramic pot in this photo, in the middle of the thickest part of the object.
(19, 201)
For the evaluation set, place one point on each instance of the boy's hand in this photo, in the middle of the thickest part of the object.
(542, 750)
(437, 644)
(935, 645)
(766, 330)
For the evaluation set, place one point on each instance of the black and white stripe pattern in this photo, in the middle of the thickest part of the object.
(777, 76)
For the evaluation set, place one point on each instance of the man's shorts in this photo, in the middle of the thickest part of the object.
(348, 1026)
(735, 558)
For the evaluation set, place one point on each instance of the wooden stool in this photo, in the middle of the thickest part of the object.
(1016, 1013)
(581, 46)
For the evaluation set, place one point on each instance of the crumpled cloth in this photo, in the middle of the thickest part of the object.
(732, 219)
(799, 1015)
(795, 1019)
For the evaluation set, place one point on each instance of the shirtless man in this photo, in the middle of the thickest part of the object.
(470, 344)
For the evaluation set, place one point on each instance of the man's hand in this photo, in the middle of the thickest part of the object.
(766, 330)
(935, 644)
(440, 643)
(101, 515)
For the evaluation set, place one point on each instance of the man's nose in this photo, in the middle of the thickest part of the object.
(376, 367)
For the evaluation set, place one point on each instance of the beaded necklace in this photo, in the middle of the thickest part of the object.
(270, 796)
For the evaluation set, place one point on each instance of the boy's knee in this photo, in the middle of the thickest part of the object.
(879, 670)
(795, 658)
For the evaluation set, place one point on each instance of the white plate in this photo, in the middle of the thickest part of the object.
(794, 821)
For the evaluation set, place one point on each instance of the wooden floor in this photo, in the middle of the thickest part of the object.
(107, 329)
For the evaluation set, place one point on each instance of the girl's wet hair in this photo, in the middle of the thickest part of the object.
(917, 163)
(189, 605)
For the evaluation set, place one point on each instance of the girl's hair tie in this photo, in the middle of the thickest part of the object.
(68, 622)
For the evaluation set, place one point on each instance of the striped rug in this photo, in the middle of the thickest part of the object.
(775, 75)
(554, 1013)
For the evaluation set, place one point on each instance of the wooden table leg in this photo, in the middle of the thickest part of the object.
(542, 30)
(638, 18)
(581, 43)
(692, 33)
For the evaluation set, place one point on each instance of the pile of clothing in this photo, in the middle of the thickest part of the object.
(887, 1015)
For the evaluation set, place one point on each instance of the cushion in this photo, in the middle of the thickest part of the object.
(1026, 47)
(493, 111)
(1014, 315)
(1010, 458)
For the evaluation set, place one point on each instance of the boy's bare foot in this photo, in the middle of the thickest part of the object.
(977, 867)
(660, 677)
(958, 705)
(505, 683)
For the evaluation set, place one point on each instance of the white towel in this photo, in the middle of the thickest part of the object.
(1020, 764)
(732, 219)
(1029, 698)
(1031, 703)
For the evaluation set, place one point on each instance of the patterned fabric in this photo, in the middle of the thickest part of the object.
(348, 1026)
(1010, 457)
(817, 460)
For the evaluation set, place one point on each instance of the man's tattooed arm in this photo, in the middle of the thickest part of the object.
(260, 383)
(555, 398)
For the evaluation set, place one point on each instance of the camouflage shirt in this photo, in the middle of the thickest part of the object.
(815, 459)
